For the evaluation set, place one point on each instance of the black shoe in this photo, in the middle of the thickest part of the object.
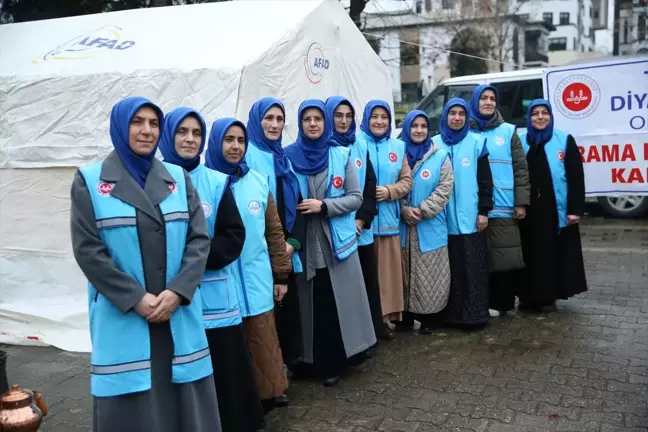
(386, 333)
(281, 401)
(331, 381)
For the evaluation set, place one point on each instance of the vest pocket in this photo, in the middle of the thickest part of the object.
(503, 184)
(215, 296)
(343, 235)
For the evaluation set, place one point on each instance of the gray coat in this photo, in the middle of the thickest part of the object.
(502, 234)
(166, 407)
(346, 276)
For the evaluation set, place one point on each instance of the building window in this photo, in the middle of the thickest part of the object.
(524, 17)
(558, 44)
(428, 5)
(564, 18)
(409, 54)
(446, 4)
(419, 6)
(596, 14)
(626, 28)
(642, 28)
(547, 17)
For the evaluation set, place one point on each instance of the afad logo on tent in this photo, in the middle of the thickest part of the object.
(315, 63)
(100, 41)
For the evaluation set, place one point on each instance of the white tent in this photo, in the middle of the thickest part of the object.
(60, 78)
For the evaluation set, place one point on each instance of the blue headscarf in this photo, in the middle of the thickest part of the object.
(120, 118)
(449, 135)
(415, 151)
(480, 119)
(281, 166)
(540, 136)
(309, 156)
(167, 139)
(364, 126)
(214, 158)
(337, 138)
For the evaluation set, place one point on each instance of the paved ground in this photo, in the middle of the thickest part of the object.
(584, 368)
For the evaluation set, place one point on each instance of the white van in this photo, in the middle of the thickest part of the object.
(516, 90)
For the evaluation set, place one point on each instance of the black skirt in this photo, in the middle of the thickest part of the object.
(238, 399)
(468, 302)
(367, 257)
(288, 321)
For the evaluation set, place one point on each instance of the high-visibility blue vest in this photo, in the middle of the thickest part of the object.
(253, 271)
(220, 305)
(462, 209)
(432, 233)
(359, 157)
(342, 228)
(555, 149)
(121, 348)
(263, 162)
(387, 159)
(498, 141)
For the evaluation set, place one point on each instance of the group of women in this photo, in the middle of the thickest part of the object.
(210, 284)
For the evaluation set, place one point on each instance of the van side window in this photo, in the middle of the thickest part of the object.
(515, 97)
(464, 92)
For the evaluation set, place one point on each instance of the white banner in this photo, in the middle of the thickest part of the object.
(604, 106)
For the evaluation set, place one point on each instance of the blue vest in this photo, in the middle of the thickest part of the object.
(555, 150)
(342, 228)
(462, 209)
(498, 141)
(220, 306)
(263, 162)
(387, 159)
(359, 158)
(253, 272)
(432, 233)
(121, 347)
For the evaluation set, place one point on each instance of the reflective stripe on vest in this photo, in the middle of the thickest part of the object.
(252, 271)
(462, 209)
(263, 162)
(432, 233)
(342, 228)
(555, 150)
(498, 141)
(220, 305)
(120, 359)
(387, 159)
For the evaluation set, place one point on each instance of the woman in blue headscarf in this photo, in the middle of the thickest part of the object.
(467, 216)
(510, 197)
(394, 181)
(335, 309)
(424, 230)
(261, 272)
(139, 236)
(265, 154)
(550, 233)
(340, 121)
(182, 142)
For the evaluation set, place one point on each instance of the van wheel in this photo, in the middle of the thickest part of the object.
(628, 206)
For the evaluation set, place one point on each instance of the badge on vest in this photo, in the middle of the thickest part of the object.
(425, 174)
(337, 182)
(172, 187)
(393, 157)
(358, 162)
(561, 155)
(105, 188)
(254, 207)
(499, 140)
(465, 162)
(207, 209)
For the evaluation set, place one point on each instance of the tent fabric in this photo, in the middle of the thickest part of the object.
(60, 78)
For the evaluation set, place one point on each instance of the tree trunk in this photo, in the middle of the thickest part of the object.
(355, 11)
